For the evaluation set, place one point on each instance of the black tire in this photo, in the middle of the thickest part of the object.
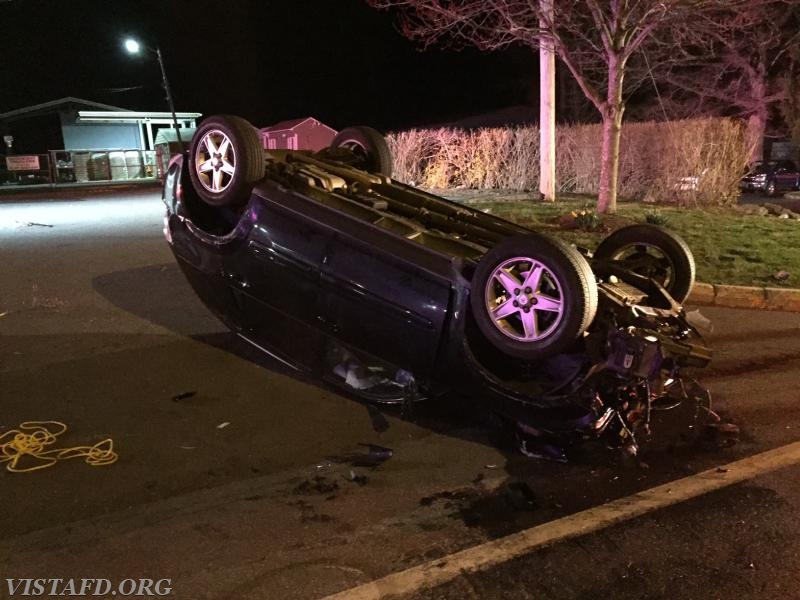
(565, 285)
(369, 146)
(225, 178)
(653, 252)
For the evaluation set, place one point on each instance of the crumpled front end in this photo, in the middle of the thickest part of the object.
(639, 353)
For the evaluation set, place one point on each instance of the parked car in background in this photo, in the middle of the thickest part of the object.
(771, 177)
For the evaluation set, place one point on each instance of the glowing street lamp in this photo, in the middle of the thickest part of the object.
(134, 47)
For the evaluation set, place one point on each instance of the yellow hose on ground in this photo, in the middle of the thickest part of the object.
(32, 439)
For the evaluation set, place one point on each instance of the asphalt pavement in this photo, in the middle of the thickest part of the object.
(238, 480)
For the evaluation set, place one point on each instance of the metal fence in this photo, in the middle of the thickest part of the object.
(78, 166)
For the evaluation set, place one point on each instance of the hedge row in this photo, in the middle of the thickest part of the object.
(694, 161)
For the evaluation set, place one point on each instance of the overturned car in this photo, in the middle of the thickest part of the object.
(326, 263)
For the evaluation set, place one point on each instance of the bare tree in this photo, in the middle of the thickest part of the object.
(595, 40)
(789, 105)
(745, 65)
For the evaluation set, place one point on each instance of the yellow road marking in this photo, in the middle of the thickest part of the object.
(593, 519)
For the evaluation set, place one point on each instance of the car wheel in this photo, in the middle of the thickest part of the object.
(653, 252)
(369, 146)
(770, 189)
(226, 159)
(532, 296)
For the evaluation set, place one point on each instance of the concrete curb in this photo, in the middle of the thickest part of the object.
(13, 194)
(741, 296)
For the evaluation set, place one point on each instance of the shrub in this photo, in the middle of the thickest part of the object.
(656, 217)
(694, 162)
(586, 219)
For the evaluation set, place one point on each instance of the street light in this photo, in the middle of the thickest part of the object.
(133, 47)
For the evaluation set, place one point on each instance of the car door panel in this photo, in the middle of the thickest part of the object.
(378, 303)
(279, 282)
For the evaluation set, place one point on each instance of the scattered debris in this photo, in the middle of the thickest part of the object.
(318, 485)
(491, 466)
(359, 479)
(357, 375)
(768, 209)
(223, 425)
(533, 448)
(4, 313)
(449, 497)
(308, 516)
(699, 321)
(183, 396)
(375, 456)
(378, 454)
(721, 435)
(753, 209)
(379, 422)
(781, 276)
(33, 224)
(44, 301)
(722, 470)
(188, 447)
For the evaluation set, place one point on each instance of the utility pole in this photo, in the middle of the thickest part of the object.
(165, 83)
(133, 47)
(547, 107)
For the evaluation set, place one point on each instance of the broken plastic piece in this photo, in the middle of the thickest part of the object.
(33, 224)
(359, 479)
(379, 453)
(781, 275)
(699, 321)
(535, 449)
(723, 435)
(362, 377)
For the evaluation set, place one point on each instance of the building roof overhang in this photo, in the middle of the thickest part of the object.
(131, 116)
(55, 106)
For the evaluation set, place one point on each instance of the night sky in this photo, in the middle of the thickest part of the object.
(267, 60)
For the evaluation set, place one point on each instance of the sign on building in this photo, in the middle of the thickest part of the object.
(22, 163)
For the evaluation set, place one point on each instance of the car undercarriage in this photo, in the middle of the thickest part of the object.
(324, 261)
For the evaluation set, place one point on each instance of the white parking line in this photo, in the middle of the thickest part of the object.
(501, 550)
